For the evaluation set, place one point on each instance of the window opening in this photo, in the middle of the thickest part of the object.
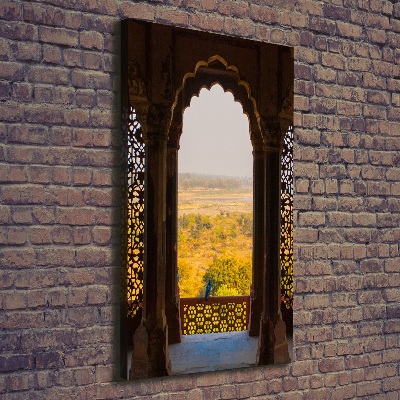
(215, 214)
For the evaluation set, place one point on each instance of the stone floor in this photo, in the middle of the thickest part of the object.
(214, 351)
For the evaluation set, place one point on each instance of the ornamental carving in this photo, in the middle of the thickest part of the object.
(286, 251)
(287, 102)
(272, 134)
(218, 314)
(166, 77)
(137, 87)
(158, 120)
(133, 276)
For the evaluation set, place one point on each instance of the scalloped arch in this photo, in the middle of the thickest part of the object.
(229, 80)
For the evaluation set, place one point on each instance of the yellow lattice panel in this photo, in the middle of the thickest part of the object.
(217, 314)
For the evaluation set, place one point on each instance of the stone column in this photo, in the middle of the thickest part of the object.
(171, 289)
(273, 347)
(258, 241)
(150, 354)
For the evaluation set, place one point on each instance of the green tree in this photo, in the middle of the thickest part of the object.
(229, 274)
(224, 290)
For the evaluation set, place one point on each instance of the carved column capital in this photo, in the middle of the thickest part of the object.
(258, 152)
(158, 121)
(272, 134)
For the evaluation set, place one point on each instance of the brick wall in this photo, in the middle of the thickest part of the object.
(59, 172)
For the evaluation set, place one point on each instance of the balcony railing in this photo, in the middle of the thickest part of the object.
(217, 314)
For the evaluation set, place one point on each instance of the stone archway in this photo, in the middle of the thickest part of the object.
(207, 73)
(159, 87)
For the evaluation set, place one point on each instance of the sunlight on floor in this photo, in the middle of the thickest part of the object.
(214, 352)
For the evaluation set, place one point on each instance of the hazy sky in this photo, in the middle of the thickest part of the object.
(215, 138)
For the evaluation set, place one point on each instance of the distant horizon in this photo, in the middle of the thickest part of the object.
(214, 175)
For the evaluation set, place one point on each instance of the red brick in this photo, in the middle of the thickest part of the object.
(5, 50)
(175, 17)
(14, 300)
(55, 256)
(91, 40)
(359, 361)
(5, 90)
(392, 383)
(19, 382)
(263, 14)
(81, 317)
(312, 219)
(59, 36)
(322, 25)
(41, 15)
(101, 236)
(369, 388)
(83, 376)
(233, 8)
(243, 28)
(77, 117)
(28, 51)
(333, 60)
(301, 368)
(92, 256)
(18, 30)
(52, 54)
(208, 4)
(318, 268)
(11, 112)
(48, 360)
(97, 295)
(63, 96)
(22, 92)
(42, 114)
(327, 316)
(209, 22)
(335, 12)
(10, 10)
(350, 315)
(77, 296)
(91, 79)
(72, 57)
(92, 60)
(344, 392)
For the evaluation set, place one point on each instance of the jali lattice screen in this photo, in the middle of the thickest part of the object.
(217, 314)
(135, 209)
(287, 220)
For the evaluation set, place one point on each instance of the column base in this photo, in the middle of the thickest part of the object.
(150, 356)
(255, 315)
(272, 344)
(174, 323)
